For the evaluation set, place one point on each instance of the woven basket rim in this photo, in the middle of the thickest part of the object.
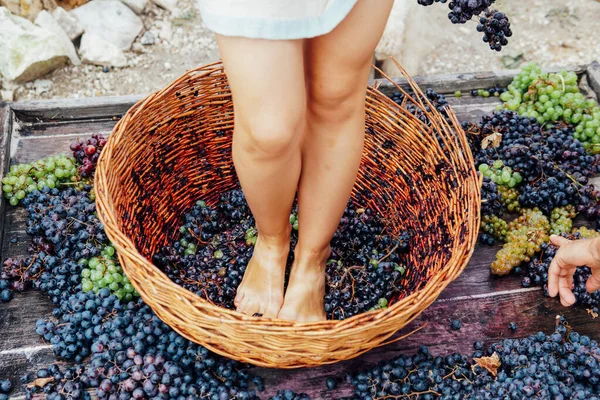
(122, 243)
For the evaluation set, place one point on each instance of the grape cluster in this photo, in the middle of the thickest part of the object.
(561, 365)
(509, 198)
(561, 220)
(554, 97)
(494, 24)
(500, 174)
(105, 271)
(87, 153)
(62, 384)
(490, 198)
(525, 236)
(536, 272)
(49, 172)
(496, 29)
(80, 319)
(494, 228)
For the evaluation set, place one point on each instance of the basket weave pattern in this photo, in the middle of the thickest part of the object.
(174, 147)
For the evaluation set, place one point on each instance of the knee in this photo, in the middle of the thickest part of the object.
(271, 134)
(336, 101)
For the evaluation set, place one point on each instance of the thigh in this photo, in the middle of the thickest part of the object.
(338, 63)
(266, 76)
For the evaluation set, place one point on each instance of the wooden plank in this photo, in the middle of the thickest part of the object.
(6, 128)
(32, 148)
(75, 109)
(18, 320)
(467, 81)
(593, 76)
(61, 128)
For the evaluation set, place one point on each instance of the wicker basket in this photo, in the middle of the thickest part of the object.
(174, 147)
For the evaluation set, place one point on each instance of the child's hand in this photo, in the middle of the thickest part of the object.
(570, 255)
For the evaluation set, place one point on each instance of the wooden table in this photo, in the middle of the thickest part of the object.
(484, 304)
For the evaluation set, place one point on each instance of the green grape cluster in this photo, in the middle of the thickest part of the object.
(494, 226)
(509, 197)
(555, 97)
(561, 219)
(105, 272)
(524, 238)
(25, 178)
(501, 174)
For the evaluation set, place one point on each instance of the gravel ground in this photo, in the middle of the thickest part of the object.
(551, 32)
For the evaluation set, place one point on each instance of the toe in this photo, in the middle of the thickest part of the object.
(243, 305)
(238, 298)
(271, 310)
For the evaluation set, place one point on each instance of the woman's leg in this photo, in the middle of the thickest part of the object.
(337, 69)
(269, 97)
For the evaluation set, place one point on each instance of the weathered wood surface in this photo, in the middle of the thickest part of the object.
(74, 109)
(484, 304)
(468, 81)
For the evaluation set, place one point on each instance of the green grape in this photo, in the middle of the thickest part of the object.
(105, 272)
(26, 178)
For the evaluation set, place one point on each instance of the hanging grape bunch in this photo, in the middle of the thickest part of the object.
(494, 25)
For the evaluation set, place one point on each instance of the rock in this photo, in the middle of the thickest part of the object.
(95, 50)
(138, 6)
(68, 23)
(170, 5)
(42, 85)
(27, 51)
(7, 95)
(148, 38)
(46, 20)
(110, 20)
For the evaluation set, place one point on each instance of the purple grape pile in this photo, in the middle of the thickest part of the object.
(494, 25)
(563, 365)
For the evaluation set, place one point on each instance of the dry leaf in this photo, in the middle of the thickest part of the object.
(490, 363)
(41, 382)
(492, 139)
(592, 313)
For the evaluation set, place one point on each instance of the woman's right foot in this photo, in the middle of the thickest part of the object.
(261, 290)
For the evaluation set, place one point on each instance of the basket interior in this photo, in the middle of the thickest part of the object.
(176, 149)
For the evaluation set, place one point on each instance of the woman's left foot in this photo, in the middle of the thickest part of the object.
(305, 295)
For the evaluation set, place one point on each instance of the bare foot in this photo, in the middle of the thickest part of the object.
(261, 290)
(304, 297)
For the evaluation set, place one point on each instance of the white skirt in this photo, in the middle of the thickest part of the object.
(274, 19)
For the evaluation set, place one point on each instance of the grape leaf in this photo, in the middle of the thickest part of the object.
(490, 363)
(492, 139)
(41, 382)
